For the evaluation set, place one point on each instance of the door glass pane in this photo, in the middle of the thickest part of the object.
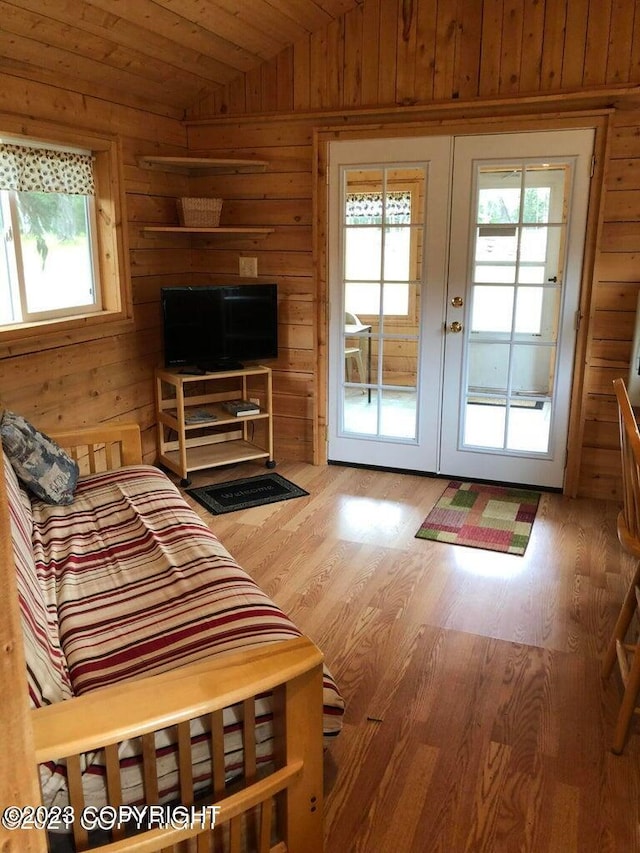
(383, 240)
(400, 362)
(546, 193)
(499, 195)
(397, 207)
(496, 253)
(485, 420)
(405, 200)
(496, 243)
(536, 199)
(492, 309)
(532, 370)
(363, 253)
(397, 254)
(399, 412)
(360, 412)
(529, 310)
(529, 426)
(533, 248)
(363, 297)
(490, 273)
(357, 363)
(531, 274)
(537, 312)
(488, 367)
(363, 197)
(396, 297)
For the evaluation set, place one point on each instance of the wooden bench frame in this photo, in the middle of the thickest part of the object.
(291, 669)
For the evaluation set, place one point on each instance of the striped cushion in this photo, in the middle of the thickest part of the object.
(47, 675)
(143, 586)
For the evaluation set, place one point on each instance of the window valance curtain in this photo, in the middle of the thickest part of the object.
(366, 208)
(45, 170)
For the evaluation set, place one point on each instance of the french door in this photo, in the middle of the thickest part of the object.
(387, 266)
(455, 267)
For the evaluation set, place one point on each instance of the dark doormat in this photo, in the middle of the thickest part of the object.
(245, 493)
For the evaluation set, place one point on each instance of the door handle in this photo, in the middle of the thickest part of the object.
(455, 327)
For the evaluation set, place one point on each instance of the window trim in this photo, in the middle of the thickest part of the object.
(112, 256)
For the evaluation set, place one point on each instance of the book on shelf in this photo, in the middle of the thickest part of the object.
(197, 416)
(241, 407)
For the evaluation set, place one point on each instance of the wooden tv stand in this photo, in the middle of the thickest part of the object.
(195, 431)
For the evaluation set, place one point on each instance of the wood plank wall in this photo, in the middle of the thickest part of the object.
(397, 54)
(280, 197)
(389, 53)
(615, 294)
(106, 378)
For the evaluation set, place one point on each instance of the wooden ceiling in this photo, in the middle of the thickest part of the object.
(163, 55)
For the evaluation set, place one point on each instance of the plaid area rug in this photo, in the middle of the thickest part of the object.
(498, 518)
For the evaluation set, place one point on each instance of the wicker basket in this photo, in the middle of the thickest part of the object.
(199, 212)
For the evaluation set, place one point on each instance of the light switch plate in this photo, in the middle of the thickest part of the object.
(248, 267)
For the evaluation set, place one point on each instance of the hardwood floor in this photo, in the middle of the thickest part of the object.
(476, 716)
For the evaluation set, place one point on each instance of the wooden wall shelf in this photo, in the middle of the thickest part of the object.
(204, 166)
(220, 231)
(201, 165)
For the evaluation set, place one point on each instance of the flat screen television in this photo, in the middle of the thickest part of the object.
(219, 327)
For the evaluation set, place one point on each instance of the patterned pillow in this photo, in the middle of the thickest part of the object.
(41, 465)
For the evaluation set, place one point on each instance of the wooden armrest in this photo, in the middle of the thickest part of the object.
(132, 708)
(291, 669)
(127, 435)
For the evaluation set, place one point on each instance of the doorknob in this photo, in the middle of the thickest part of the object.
(455, 326)
(457, 302)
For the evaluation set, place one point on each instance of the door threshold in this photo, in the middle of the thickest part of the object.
(385, 468)
(434, 476)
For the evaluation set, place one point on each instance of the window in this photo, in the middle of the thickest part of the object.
(47, 216)
(62, 258)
